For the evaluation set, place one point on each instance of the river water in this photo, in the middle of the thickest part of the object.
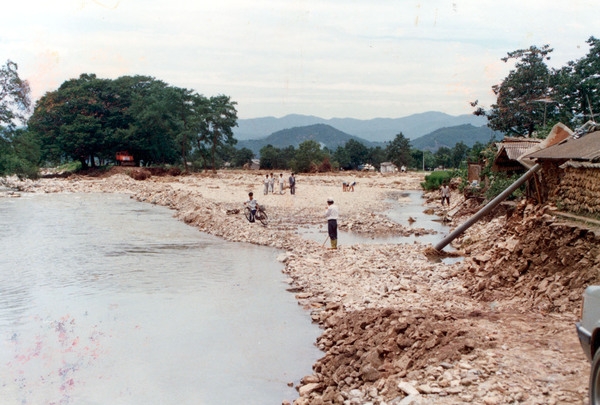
(104, 300)
(407, 204)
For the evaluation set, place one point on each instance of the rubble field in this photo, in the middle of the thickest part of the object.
(400, 325)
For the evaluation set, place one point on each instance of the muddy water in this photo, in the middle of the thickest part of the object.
(106, 300)
(405, 205)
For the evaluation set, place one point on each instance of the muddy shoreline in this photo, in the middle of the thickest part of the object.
(398, 327)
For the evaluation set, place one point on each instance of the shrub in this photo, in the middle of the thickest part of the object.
(434, 180)
(500, 182)
(325, 165)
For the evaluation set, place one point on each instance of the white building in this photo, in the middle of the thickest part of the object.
(388, 167)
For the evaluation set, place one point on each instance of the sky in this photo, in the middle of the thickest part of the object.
(329, 58)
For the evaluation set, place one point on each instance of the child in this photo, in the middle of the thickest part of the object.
(253, 204)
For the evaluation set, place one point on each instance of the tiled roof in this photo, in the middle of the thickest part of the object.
(515, 148)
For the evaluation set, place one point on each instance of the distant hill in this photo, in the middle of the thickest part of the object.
(448, 137)
(330, 137)
(324, 134)
(374, 130)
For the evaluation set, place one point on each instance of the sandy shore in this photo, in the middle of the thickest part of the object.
(399, 327)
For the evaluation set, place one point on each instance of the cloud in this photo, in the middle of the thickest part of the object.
(330, 58)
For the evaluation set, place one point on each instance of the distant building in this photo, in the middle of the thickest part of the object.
(388, 167)
(254, 164)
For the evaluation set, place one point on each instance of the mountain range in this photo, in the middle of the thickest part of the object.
(378, 134)
(450, 136)
(325, 135)
(373, 130)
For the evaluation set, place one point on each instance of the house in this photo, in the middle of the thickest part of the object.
(254, 164)
(571, 171)
(513, 157)
(509, 152)
(388, 167)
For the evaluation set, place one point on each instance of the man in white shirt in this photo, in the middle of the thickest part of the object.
(332, 215)
(281, 183)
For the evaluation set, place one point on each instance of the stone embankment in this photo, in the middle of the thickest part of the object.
(400, 326)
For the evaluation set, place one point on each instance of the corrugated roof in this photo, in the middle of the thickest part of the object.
(587, 147)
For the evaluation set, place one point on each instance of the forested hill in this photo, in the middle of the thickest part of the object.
(330, 137)
(374, 130)
(324, 134)
(448, 137)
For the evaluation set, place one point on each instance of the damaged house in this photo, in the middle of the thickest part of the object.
(509, 152)
(571, 172)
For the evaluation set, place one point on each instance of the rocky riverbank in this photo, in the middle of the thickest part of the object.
(399, 325)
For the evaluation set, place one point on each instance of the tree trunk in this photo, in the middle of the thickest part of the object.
(214, 150)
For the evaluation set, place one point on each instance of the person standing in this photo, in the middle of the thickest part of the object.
(292, 182)
(445, 190)
(332, 215)
(281, 183)
(266, 183)
(253, 205)
(271, 183)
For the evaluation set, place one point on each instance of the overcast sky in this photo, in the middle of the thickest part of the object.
(330, 58)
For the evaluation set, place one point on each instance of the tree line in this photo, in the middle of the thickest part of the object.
(353, 155)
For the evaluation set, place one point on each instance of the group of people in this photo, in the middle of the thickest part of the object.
(331, 214)
(269, 184)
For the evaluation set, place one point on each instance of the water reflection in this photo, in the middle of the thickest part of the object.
(106, 300)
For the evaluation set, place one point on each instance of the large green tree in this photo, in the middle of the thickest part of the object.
(14, 95)
(156, 124)
(217, 128)
(576, 97)
(357, 153)
(376, 156)
(241, 157)
(458, 154)
(521, 99)
(19, 151)
(398, 151)
(308, 156)
(73, 121)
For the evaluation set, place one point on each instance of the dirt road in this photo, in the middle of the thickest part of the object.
(400, 326)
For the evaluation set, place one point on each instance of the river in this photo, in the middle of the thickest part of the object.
(104, 300)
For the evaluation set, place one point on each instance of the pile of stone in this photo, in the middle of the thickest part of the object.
(531, 260)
